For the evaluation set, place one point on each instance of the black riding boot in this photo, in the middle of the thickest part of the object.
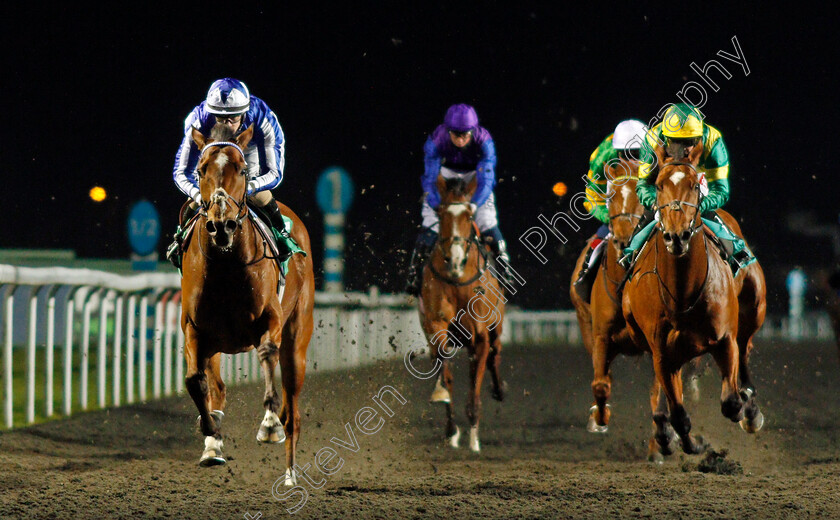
(646, 218)
(586, 277)
(499, 248)
(275, 218)
(422, 247)
(174, 252)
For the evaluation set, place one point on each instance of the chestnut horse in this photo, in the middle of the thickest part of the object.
(230, 300)
(461, 304)
(601, 321)
(682, 302)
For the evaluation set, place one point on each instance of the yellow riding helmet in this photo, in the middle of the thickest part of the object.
(681, 121)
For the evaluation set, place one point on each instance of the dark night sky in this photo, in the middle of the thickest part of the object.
(99, 98)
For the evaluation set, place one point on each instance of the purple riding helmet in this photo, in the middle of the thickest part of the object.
(460, 118)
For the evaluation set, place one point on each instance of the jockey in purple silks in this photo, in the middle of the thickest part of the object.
(459, 148)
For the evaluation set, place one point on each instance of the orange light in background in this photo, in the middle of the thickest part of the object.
(98, 194)
(560, 189)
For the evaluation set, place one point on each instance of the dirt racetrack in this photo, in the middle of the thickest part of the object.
(538, 461)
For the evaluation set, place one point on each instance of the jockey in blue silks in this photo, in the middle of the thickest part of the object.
(229, 103)
(459, 148)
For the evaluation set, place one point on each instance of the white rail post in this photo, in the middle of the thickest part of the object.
(158, 344)
(142, 333)
(83, 373)
(169, 332)
(129, 348)
(102, 348)
(9, 311)
(179, 367)
(117, 359)
(50, 358)
(32, 337)
(69, 317)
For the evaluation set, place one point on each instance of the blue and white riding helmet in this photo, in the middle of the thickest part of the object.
(227, 96)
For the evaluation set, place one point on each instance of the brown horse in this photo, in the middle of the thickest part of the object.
(601, 322)
(682, 302)
(461, 304)
(231, 304)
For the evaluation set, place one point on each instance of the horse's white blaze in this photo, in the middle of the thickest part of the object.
(458, 250)
(676, 177)
(456, 209)
(221, 160)
(626, 192)
(475, 446)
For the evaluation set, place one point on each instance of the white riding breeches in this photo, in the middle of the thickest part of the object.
(485, 216)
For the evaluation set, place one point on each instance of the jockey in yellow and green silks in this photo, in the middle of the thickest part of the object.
(624, 143)
(681, 129)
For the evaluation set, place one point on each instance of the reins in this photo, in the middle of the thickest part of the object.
(482, 255)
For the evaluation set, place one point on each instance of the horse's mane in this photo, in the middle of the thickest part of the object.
(456, 187)
(221, 132)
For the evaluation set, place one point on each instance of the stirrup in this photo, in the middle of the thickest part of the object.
(173, 254)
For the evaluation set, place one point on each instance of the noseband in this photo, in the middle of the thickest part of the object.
(241, 207)
(472, 239)
(677, 205)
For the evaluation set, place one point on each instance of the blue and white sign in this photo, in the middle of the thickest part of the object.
(143, 228)
(334, 190)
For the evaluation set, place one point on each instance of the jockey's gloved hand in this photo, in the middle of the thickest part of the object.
(252, 188)
(473, 207)
(195, 194)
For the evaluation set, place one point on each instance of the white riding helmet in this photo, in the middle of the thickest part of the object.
(227, 96)
(629, 135)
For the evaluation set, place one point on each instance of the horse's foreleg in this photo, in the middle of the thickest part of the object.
(271, 428)
(664, 436)
(216, 386)
(726, 356)
(671, 380)
(602, 357)
(753, 418)
(478, 364)
(196, 383)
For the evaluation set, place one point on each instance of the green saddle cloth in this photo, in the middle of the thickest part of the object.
(722, 232)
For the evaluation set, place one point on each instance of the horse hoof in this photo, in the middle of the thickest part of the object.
(274, 435)
(211, 459)
(593, 427)
(499, 393)
(217, 415)
(752, 426)
(452, 440)
(291, 478)
(440, 394)
(656, 458)
(697, 445)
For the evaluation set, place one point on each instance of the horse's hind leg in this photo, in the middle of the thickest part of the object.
(271, 428)
(751, 311)
(478, 364)
(494, 361)
(196, 383)
(216, 386)
(753, 418)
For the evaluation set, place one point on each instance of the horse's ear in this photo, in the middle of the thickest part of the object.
(659, 153)
(245, 137)
(696, 153)
(198, 138)
(471, 186)
(441, 185)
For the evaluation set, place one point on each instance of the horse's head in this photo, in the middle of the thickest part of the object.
(222, 181)
(623, 204)
(455, 215)
(678, 199)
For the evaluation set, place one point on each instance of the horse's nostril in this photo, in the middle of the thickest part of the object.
(668, 237)
(230, 226)
(211, 227)
(685, 236)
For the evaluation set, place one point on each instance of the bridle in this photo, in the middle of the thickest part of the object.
(241, 206)
(469, 241)
(677, 205)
